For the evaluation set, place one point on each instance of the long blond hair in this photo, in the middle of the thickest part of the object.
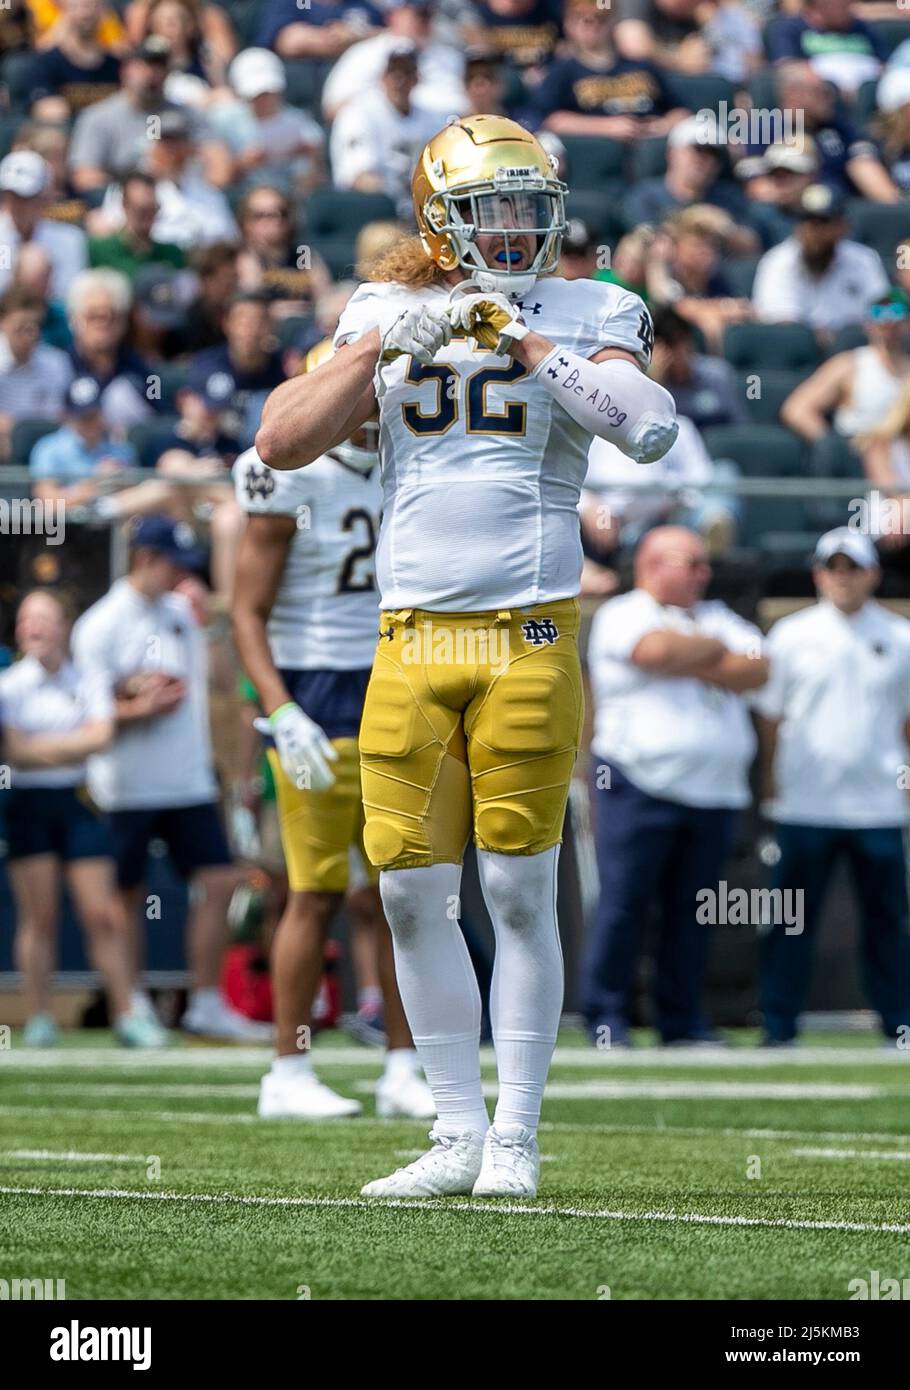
(893, 423)
(406, 263)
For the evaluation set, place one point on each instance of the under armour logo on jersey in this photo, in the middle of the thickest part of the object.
(387, 632)
(529, 308)
(540, 631)
(259, 482)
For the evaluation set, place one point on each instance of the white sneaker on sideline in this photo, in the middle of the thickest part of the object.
(302, 1097)
(511, 1163)
(449, 1169)
(210, 1017)
(404, 1093)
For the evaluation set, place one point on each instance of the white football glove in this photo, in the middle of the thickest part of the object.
(303, 749)
(491, 320)
(418, 333)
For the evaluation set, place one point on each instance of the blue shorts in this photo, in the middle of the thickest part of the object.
(54, 820)
(193, 834)
(333, 699)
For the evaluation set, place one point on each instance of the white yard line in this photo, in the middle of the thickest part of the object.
(458, 1207)
(895, 1155)
(692, 1090)
(70, 1156)
(341, 1054)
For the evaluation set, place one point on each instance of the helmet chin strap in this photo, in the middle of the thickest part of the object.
(513, 284)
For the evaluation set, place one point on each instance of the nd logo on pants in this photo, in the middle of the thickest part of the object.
(471, 722)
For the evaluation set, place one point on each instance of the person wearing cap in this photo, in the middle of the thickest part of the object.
(33, 375)
(377, 135)
(160, 308)
(156, 779)
(595, 91)
(818, 276)
(133, 246)
(441, 67)
(852, 392)
(191, 209)
(77, 67)
(835, 732)
(111, 137)
(69, 464)
(773, 184)
(269, 139)
(696, 169)
(671, 752)
(24, 184)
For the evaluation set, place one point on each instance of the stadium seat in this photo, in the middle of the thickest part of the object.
(879, 225)
(600, 211)
(832, 456)
(245, 16)
(25, 435)
(765, 392)
(772, 345)
(759, 451)
(776, 526)
(700, 91)
(848, 338)
(305, 79)
(17, 75)
(649, 159)
(740, 271)
(149, 438)
(864, 105)
(593, 160)
(173, 375)
(334, 216)
(892, 32)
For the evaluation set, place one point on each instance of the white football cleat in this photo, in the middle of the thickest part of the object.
(450, 1169)
(511, 1163)
(208, 1016)
(302, 1097)
(404, 1093)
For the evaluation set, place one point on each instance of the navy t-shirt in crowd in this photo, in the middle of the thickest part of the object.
(525, 40)
(791, 36)
(278, 14)
(54, 74)
(626, 88)
(837, 142)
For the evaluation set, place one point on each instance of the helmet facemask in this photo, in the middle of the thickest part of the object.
(515, 204)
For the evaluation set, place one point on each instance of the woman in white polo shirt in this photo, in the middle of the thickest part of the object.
(50, 713)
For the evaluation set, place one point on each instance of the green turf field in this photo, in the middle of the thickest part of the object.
(666, 1175)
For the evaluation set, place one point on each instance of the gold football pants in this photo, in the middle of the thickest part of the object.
(319, 828)
(471, 723)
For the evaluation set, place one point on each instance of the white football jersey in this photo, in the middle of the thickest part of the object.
(326, 613)
(481, 467)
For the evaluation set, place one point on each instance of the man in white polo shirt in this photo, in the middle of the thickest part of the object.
(835, 728)
(818, 275)
(156, 779)
(672, 746)
(24, 180)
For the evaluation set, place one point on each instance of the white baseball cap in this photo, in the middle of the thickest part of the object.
(256, 71)
(843, 541)
(893, 90)
(700, 130)
(24, 172)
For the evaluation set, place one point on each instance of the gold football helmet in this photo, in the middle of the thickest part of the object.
(488, 176)
(361, 451)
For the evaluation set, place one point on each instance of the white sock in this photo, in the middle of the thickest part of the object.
(402, 1060)
(527, 990)
(370, 997)
(438, 989)
(294, 1064)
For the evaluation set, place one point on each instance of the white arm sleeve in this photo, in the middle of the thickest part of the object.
(613, 400)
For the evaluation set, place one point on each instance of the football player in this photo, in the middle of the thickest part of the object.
(305, 625)
(492, 376)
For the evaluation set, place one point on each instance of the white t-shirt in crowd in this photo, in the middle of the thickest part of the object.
(34, 700)
(785, 292)
(167, 760)
(840, 686)
(684, 468)
(66, 247)
(440, 68)
(370, 136)
(675, 737)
